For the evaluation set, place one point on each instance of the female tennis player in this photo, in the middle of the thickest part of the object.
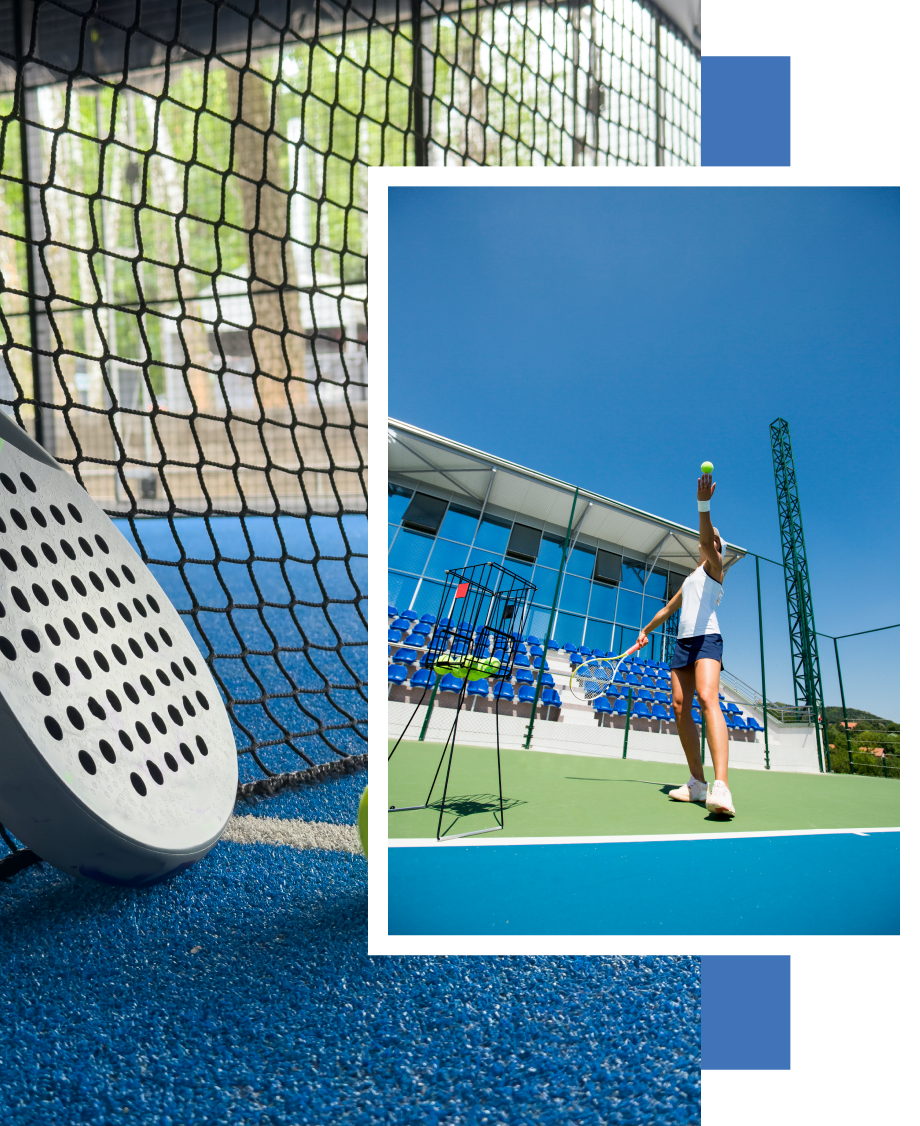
(697, 662)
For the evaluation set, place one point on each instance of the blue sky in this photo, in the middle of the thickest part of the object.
(616, 337)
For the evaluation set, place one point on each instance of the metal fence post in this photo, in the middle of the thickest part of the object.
(763, 671)
(628, 713)
(437, 681)
(846, 724)
(549, 627)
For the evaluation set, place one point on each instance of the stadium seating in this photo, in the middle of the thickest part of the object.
(644, 694)
(547, 681)
(526, 693)
(392, 612)
(603, 706)
(734, 709)
(478, 688)
(569, 647)
(410, 615)
(523, 676)
(502, 690)
(641, 710)
(428, 619)
(551, 698)
(394, 636)
(536, 650)
(662, 697)
(695, 712)
(598, 653)
(633, 680)
(396, 674)
(584, 650)
(533, 639)
(619, 708)
(419, 640)
(423, 678)
(451, 683)
(521, 661)
(660, 712)
(752, 724)
(405, 656)
(553, 644)
(401, 623)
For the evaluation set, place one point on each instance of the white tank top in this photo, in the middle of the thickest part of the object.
(699, 595)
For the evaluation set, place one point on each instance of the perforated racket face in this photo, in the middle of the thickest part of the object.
(593, 678)
(100, 670)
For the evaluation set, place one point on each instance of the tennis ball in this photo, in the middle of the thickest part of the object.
(706, 467)
(362, 820)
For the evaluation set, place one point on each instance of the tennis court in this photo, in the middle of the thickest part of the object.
(594, 847)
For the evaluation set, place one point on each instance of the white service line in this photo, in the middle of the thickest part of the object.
(292, 832)
(419, 842)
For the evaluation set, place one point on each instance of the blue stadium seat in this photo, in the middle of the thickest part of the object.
(419, 640)
(536, 650)
(396, 674)
(620, 677)
(644, 694)
(423, 678)
(662, 697)
(429, 619)
(575, 658)
(546, 679)
(520, 647)
(752, 724)
(478, 688)
(523, 676)
(394, 636)
(401, 623)
(502, 690)
(411, 615)
(734, 709)
(553, 644)
(633, 680)
(422, 627)
(405, 656)
(663, 684)
(603, 706)
(551, 698)
(445, 622)
(723, 706)
(598, 653)
(533, 639)
(641, 710)
(695, 712)
(721, 697)
(569, 647)
(659, 712)
(392, 612)
(520, 661)
(648, 682)
(585, 650)
(526, 693)
(451, 683)
(619, 708)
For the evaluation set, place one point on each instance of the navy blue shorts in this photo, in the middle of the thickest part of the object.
(689, 650)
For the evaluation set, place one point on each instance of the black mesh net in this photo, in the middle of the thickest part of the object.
(183, 304)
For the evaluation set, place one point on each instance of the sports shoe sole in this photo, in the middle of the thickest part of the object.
(724, 810)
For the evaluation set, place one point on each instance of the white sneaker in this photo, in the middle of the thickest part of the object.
(720, 800)
(693, 790)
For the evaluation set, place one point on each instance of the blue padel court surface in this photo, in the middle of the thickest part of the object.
(241, 991)
(823, 883)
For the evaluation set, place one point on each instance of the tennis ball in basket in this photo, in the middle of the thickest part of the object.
(706, 467)
(362, 820)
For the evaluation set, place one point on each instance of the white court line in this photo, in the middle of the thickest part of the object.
(292, 832)
(418, 842)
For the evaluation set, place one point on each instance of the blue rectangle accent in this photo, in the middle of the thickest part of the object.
(763, 885)
(745, 111)
(746, 1012)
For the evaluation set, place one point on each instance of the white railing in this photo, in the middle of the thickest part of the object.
(783, 713)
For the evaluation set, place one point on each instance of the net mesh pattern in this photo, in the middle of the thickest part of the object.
(183, 315)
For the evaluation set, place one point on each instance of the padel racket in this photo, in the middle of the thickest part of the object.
(117, 759)
(592, 678)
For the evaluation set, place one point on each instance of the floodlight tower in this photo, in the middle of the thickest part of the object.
(806, 670)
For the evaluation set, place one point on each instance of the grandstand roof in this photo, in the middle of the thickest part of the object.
(445, 465)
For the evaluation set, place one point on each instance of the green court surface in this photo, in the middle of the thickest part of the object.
(549, 795)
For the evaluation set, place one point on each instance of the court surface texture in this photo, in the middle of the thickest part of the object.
(593, 846)
(241, 991)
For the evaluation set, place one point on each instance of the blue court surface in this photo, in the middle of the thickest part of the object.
(824, 883)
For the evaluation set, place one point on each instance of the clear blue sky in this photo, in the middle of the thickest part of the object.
(616, 337)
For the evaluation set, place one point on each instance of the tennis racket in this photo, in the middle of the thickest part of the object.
(592, 678)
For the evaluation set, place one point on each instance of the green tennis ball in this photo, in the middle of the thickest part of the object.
(362, 820)
(706, 467)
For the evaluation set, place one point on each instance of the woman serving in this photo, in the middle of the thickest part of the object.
(697, 663)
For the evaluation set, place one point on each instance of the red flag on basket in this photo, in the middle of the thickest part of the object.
(461, 591)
